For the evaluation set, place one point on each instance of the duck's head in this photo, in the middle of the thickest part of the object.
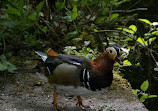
(114, 54)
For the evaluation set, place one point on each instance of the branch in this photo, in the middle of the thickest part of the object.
(100, 31)
(134, 4)
(128, 11)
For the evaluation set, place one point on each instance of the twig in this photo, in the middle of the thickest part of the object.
(100, 31)
(150, 50)
(132, 10)
(134, 4)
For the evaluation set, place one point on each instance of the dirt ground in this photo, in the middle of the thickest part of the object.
(23, 92)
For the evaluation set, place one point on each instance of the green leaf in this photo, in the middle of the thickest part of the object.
(133, 27)
(5, 65)
(71, 35)
(60, 5)
(105, 11)
(121, 74)
(151, 39)
(32, 17)
(142, 41)
(144, 85)
(128, 39)
(126, 63)
(100, 20)
(11, 68)
(152, 96)
(143, 98)
(84, 2)
(7, 22)
(134, 92)
(74, 13)
(2, 67)
(45, 29)
(138, 64)
(3, 58)
(155, 32)
(113, 17)
(67, 18)
(12, 11)
(21, 6)
(39, 7)
(146, 21)
(126, 30)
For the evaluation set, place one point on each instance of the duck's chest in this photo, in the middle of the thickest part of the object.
(96, 80)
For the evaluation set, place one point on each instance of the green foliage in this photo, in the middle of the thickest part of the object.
(17, 24)
(144, 85)
(6, 65)
(60, 5)
(71, 35)
(113, 17)
(74, 13)
(145, 21)
(105, 107)
(85, 52)
(143, 95)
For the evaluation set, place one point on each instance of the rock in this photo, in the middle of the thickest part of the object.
(117, 98)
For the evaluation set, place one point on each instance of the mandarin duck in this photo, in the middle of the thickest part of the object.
(73, 70)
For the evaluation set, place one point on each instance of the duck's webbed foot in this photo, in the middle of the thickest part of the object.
(79, 102)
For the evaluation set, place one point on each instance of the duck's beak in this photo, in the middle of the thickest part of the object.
(118, 59)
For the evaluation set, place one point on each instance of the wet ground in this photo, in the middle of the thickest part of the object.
(22, 91)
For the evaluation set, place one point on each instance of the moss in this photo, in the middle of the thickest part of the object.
(119, 82)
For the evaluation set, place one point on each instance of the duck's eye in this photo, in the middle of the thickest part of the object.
(110, 51)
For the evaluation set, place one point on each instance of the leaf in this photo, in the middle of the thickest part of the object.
(155, 32)
(21, 6)
(156, 69)
(122, 75)
(146, 21)
(151, 39)
(155, 23)
(126, 30)
(67, 18)
(126, 63)
(74, 13)
(32, 17)
(3, 58)
(152, 96)
(144, 85)
(7, 22)
(142, 41)
(100, 20)
(113, 17)
(134, 92)
(2, 67)
(11, 68)
(71, 35)
(138, 64)
(143, 98)
(12, 11)
(5, 65)
(39, 7)
(133, 27)
(60, 5)
(45, 29)
(105, 11)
